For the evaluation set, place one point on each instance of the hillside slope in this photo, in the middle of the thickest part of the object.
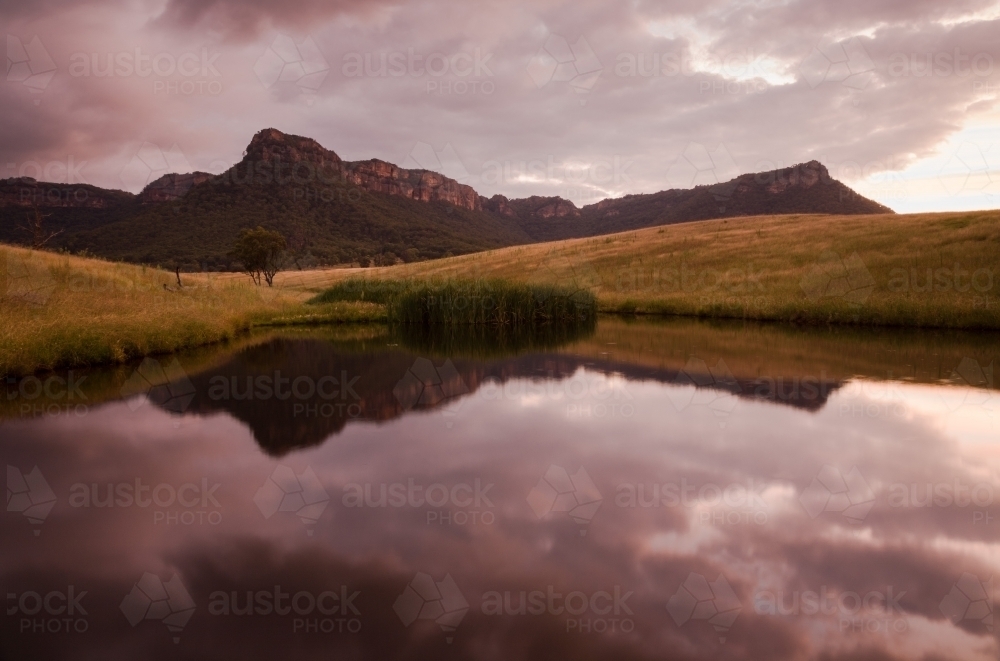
(918, 270)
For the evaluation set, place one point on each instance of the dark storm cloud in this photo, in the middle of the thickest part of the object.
(247, 19)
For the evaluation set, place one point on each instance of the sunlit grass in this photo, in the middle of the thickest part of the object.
(868, 270)
(63, 311)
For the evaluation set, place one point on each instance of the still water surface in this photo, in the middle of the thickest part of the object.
(652, 491)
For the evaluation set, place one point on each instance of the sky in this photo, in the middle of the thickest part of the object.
(900, 99)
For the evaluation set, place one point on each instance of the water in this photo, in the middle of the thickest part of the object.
(651, 490)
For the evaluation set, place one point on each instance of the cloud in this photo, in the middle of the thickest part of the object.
(244, 20)
(725, 73)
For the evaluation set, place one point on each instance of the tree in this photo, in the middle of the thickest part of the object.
(260, 251)
(36, 228)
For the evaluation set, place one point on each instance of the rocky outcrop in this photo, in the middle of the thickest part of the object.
(172, 186)
(804, 175)
(534, 207)
(272, 145)
(556, 207)
(380, 177)
(275, 148)
(500, 205)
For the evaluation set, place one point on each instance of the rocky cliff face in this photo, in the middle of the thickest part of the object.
(423, 185)
(499, 204)
(532, 207)
(172, 186)
(272, 146)
(805, 175)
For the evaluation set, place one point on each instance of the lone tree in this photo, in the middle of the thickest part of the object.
(260, 251)
(36, 228)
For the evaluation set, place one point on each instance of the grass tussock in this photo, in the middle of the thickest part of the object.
(487, 303)
(60, 311)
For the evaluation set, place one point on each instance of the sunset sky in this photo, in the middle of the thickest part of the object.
(900, 99)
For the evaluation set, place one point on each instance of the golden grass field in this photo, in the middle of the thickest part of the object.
(64, 311)
(870, 270)
(60, 311)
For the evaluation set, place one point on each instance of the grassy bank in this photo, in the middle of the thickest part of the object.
(915, 270)
(62, 311)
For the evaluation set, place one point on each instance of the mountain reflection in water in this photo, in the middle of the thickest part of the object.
(642, 491)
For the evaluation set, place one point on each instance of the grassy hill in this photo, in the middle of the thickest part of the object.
(812, 269)
(63, 311)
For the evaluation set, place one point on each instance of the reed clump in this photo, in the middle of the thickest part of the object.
(488, 303)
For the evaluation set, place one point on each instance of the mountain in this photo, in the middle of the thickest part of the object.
(804, 188)
(336, 211)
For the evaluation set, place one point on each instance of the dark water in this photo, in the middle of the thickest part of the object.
(662, 491)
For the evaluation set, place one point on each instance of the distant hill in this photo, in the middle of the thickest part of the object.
(805, 188)
(370, 212)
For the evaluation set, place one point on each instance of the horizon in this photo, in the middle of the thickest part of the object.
(586, 104)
